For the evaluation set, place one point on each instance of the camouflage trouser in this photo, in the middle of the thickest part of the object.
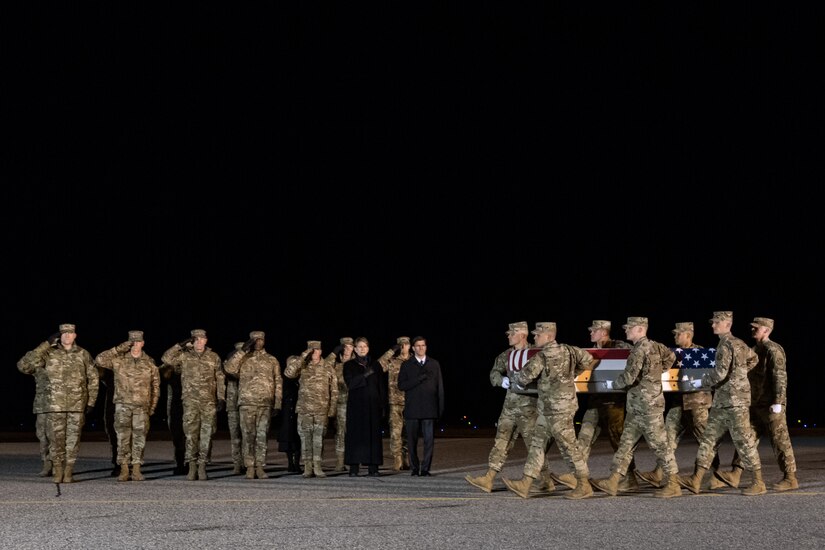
(398, 439)
(518, 416)
(199, 422)
(233, 418)
(558, 426)
(63, 430)
(131, 426)
(611, 414)
(340, 427)
(40, 428)
(651, 425)
(677, 421)
(776, 426)
(311, 429)
(254, 430)
(736, 421)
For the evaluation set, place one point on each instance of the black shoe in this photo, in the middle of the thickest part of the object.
(414, 473)
(424, 474)
(373, 474)
(351, 474)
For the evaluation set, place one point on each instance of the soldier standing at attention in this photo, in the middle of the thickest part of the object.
(519, 412)
(391, 363)
(233, 415)
(729, 411)
(642, 376)
(769, 393)
(39, 408)
(343, 353)
(136, 393)
(260, 391)
(317, 401)
(72, 391)
(204, 391)
(556, 367)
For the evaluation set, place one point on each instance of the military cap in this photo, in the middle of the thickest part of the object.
(346, 341)
(544, 327)
(314, 344)
(762, 322)
(402, 340)
(136, 336)
(238, 345)
(521, 326)
(599, 323)
(635, 322)
(683, 327)
(257, 335)
(198, 333)
(722, 316)
(67, 327)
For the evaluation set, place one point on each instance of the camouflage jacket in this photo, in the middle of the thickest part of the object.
(317, 384)
(556, 367)
(642, 375)
(41, 390)
(729, 378)
(343, 390)
(769, 379)
(392, 366)
(137, 379)
(201, 377)
(259, 378)
(72, 378)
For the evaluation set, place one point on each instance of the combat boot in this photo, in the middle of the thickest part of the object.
(731, 478)
(202, 472)
(788, 482)
(136, 473)
(521, 487)
(693, 482)
(714, 482)
(628, 483)
(583, 489)
(397, 463)
(609, 485)
(485, 482)
(307, 469)
(57, 473)
(339, 463)
(545, 482)
(317, 469)
(568, 480)
(124, 473)
(250, 472)
(757, 486)
(193, 471)
(67, 473)
(654, 477)
(259, 472)
(237, 468)
(47, 469)
(670, 488)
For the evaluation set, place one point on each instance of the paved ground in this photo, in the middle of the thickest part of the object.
(394, 510)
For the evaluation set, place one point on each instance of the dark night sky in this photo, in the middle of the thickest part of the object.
(445, 174)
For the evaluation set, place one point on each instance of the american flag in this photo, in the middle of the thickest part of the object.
(695, 358)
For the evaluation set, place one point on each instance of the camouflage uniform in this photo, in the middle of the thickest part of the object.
(39, 408)
(398, 440)
(259, 388)
(202, 384)
(317, 402)
(136, 394)
(233, 414)
(71, 390)
(341, 410)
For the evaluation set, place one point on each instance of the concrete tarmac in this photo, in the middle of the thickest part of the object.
(394, 510)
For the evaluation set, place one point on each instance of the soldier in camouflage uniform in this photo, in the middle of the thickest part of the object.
(642, 376)
(136, 394)
(729, 411)
(519, 412)
(343, 353)
(260, 390)
(317, 402)
(40, 408)
(233, 415)
(72, 391)
(769, 392)
(204, 393)
(556, 367)
(391, 363)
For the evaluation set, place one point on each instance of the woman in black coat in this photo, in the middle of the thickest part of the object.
(365, 410)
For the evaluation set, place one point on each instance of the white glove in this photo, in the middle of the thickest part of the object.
(505, 382)
(776, 408)
(696, 383)
(609, 384)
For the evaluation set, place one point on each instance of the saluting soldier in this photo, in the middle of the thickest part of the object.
(391, 363)
(343, 353)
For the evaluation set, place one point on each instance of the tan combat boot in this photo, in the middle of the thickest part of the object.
(259, 472)
(731, 478)
(47, 469)
(545, 482)
(628, 483)
(714, 482)
(67, 473)
(136, 473)
(202, 472)
(670, 488)
(318, 469)
(609, 485)
(124, 473)
(339, 463)
(57, 473)
(308, 468)
(250, 472)
(654, 477)
(788, 482)
(521, 487)
(485, 482)
(193, 471)
(583, 489)
(569, 480)
(693, 482)
(757, 486)
(397, 463)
